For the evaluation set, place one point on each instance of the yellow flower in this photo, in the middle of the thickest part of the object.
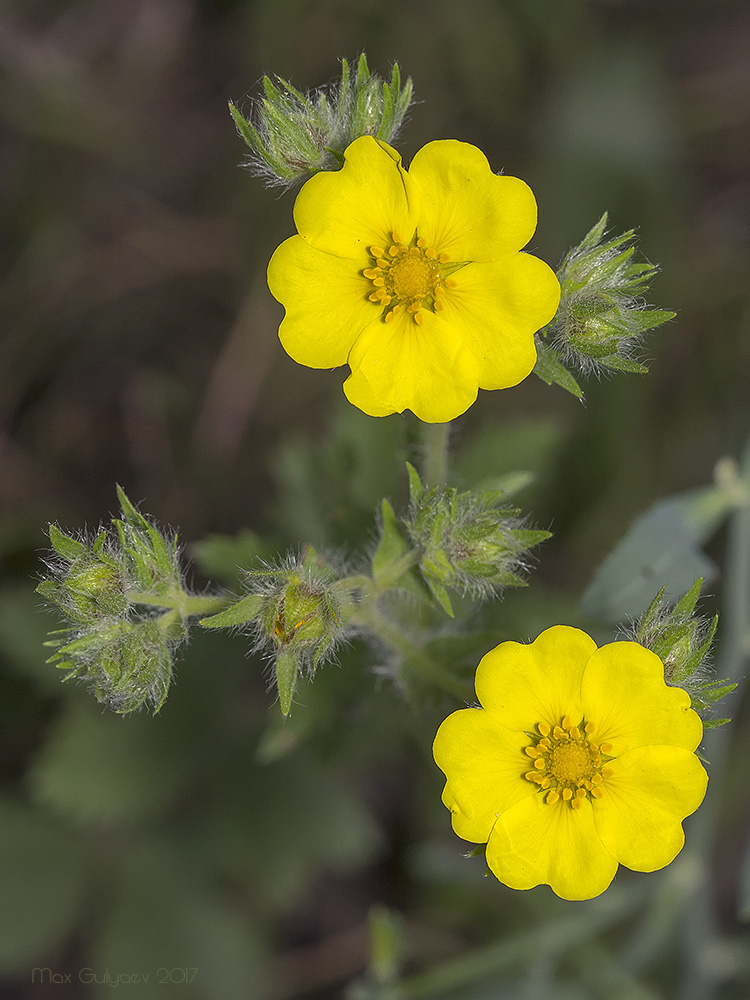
(415, 280)
(579, 758)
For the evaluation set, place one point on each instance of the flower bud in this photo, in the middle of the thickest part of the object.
(682, 639)
(127, 665)
(298, 611)
(468, 541)
(602, 314)
(292, 135)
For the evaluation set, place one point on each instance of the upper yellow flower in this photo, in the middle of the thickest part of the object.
(416, 280)
(580, 758)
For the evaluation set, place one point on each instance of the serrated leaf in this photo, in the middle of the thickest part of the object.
(65, 546)
(244, 611)
(550, 370)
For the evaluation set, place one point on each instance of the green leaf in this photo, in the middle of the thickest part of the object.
(659, 550)
(550, 370)
(45, 886)
(66, 546)
(99, 768)
(245, 610)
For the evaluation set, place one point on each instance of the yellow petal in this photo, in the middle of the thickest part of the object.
(623, 692)
(326, 302)
(652, 789)
(498, 307)
(484, 764)
(521, 685)
(345, 212)
(399, 365)
(536, 843)
(467, 211)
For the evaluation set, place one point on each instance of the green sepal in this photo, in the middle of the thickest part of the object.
(245, 610)
(65, 546)
(287, 674)
(620, 364)
(550, 369)
(440, 594)
(416, 489)
(392, 545)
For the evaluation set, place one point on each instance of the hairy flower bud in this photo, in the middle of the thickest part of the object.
(682, 640)
(468, 541)
(298, 611)
(293, 135)
(122, 596)
(602, 314)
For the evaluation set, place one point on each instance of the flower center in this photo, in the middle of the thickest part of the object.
(407, 278)
(567, 764)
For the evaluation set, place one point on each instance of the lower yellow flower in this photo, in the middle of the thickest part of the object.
(579, 759)
(414, 279)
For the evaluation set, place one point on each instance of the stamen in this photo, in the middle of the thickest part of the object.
(531, 751)
(589, 727)
(567, 722)
(409, 276)
(377, 251)
(543, 728)
(396, 237)
(605, 747)
(419, 318)
(567, 765)
(551, 798)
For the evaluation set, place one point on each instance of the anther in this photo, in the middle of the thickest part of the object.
(449, 282)
(567, 722)
(443, 258)
(531, 752)
(545, 782)
(377, 251)
(576, 803)
(540, 764)
(421, 242)
(597, 793)
(372, 272)
(414, 252)
(589, 727)
(419, 318)
(559, 734)
(596, 779)
(543, 728)
(396, 237)
(606, 772)
(575, 732)
(567, 794)
(552, 797)
(393, 251)
(605, 747)
(531, 776)
(430, 253)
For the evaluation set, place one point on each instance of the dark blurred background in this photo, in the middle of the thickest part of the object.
(138, 345)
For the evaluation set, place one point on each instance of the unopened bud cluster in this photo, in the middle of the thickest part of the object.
(682, 639)
(293, 135)
(603, 314)
(298, 612)
(100, 586)
(468, 542)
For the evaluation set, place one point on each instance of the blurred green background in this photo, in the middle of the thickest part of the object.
(139, 346)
